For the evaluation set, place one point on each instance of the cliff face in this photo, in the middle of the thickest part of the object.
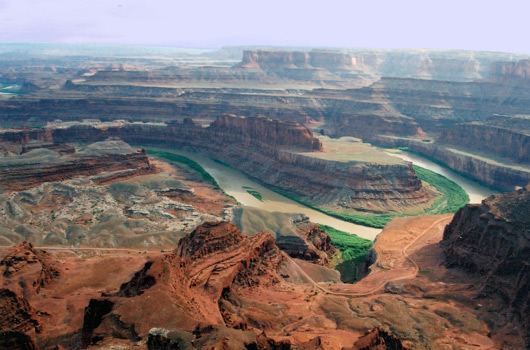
(368, 125)
(24, 136)
(44, 165)
(397, 63)
(263, 133)
(272, 60)
(496, 141)
(519, 70)
(492, 241)
(490, 173)
(267, 150)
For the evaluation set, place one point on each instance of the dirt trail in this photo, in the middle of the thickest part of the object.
(373, 290)
(367, 292)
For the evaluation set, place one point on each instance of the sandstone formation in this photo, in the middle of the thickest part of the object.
(378, 339)
(412, 63)
(294, 233)
(214, 260)
(221, 289)
(24, 259)
(44, 165)
(262, 133)
(17, 314)
(19, 322)
(492, 241)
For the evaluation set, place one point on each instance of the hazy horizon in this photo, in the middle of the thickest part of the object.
(409, 24)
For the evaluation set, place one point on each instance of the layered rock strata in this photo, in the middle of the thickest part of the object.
(490, 139)
(270, 151)
(492, 242)
(465, 65)
(44, 165)
(486, 171)
(294, 233)
(61, 148)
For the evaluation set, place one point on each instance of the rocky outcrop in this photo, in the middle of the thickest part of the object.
(23, 136)
(17, 314)
(44, 165)
(164, 339)
(294, 233)
(492, 242)
(519, 69)
(13, 340)
(208, 239)
(19, 322)
(22, 257)
(378, 339)
(215, 258)
(213, 338)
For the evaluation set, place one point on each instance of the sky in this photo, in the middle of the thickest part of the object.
(450, 24)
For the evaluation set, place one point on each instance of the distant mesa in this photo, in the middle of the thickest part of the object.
(518, 70)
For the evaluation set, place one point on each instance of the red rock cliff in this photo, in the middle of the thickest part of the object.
(492, 241)
(263, 133)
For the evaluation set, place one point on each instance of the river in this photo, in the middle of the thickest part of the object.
(236, 184)
(475, 191)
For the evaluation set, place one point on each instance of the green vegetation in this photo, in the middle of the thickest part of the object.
(466, 176)
(172, 157)
(223, 163)
(377, 221)
(353, 250)
(255, 194)
(453, 196)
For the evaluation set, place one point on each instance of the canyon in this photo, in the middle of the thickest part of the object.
(419, 95)
(222, 288)
(117, 232)
(277, 153)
